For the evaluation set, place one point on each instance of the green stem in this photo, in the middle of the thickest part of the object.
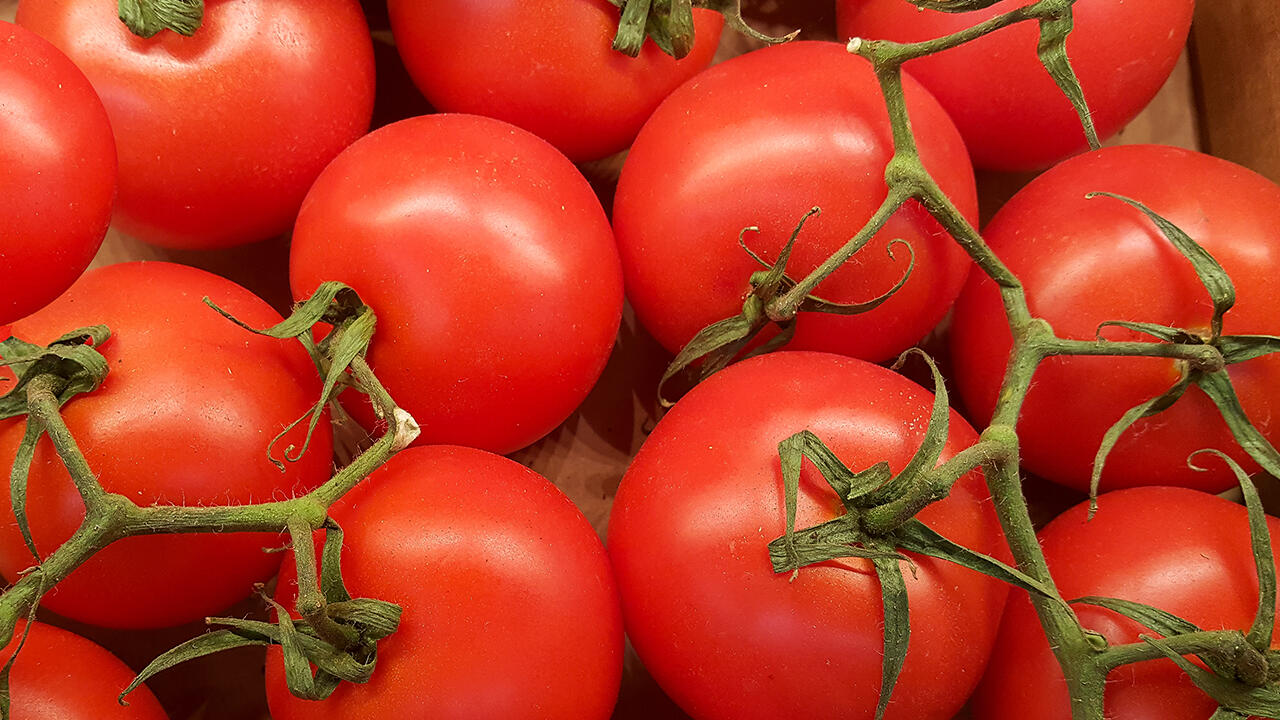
(1202, 357)
(784, 307)
(1223, 643)
(110, 517)
(311, 604)
(886, 53)
(931, 487)
(42, 403)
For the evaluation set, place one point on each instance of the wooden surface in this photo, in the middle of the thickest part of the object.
(587, 455)
(1238, 78)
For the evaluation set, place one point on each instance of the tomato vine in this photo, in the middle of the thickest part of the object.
(881, 508)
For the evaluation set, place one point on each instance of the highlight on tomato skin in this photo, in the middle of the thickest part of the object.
(186, 415)
(546, 66)
(1180, 550)
(490, 264)
(57, 173)
(62, 676)
(220, 134)
(510, 610)
(727, 637)
(1084, 262)
(756, 142)
(1009, 110)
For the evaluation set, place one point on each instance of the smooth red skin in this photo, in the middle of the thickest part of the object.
(1084, 262)
(726, 637)
(544, 65)
(184, 417)
(510, 608)
(220, 134)
(758, 141)
(1010, 111)
(1180, 550)
(57, 172)
(62, 676)
(490, 264)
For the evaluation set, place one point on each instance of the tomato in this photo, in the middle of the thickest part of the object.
(1179, 550)
(490, 264)
(725, 636)
(1084, 262)
(509, 607)
(185, 417)
(62, 676)
(544, 65)
(1010, 111)
(758, 141)
(220, 134)
(57, 172)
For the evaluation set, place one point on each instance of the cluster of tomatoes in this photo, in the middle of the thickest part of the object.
(498, 282)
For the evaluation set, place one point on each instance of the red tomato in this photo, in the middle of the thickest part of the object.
(1011, 113)
(1180, 550)
(759, 140)
(185, 417)
(57, 172)
(510, 609)
(726, 637)
(490, 264)
(544, 65)
(62, 676)
(220, 134)
(1084, 262)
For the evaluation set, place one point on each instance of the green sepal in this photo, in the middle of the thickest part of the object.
(18, 479)
(1154, 406)
(1227, 714)
(197, 647)
(373, 619)
(1052, 50)
(916, 537)
(935, 438)
(1215, 280)
(1219, 389)
(813, 303)
(146, 18)
(732, 12)
(1259, 636)
(336, 304)
(7, 670)
(73, 357)
(897, 627)
(332, 587)
(1243, 699)
(1241, 348)
(1160, 332)
(953, 6)
(720, 343)
(1161, 621)
(297, 665)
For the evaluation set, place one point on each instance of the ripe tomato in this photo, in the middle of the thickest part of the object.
(544, 65)
(185, 416)
(62, 676)
(57, 172)
(759, 140)
(490, 264)
(726, 637)
(1084, 262)
(510, 609)
(1179, 550)
(1011, 113)
(220, 134)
